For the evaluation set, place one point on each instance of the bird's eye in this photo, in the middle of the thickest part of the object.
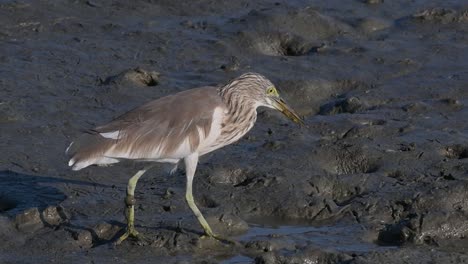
(270, 90)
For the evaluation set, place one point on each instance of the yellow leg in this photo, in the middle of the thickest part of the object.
(191, 162)
(190, 166)
(130, 207)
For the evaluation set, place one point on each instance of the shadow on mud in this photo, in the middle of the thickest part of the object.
(19, 191)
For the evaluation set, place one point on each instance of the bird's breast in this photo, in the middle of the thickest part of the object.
(233, 127)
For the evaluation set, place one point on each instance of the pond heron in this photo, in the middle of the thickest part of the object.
(182, 126)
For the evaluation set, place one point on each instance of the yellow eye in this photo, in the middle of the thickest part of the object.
(271, 90)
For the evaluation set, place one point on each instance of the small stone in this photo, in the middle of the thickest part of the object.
(222, 175)
(29, 220)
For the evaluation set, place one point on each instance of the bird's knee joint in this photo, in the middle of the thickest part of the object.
(189, 199)
(130, 200)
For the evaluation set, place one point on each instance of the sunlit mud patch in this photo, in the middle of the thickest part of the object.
(20, 191)
(289, 235)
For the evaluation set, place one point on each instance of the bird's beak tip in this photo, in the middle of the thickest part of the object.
(288, 112)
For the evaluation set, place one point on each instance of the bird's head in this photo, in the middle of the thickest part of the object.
(259, 91)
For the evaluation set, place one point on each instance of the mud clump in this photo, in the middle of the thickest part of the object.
(106, 231)
(442, 15)
(456, 152)
(136, 76)
(84, 238)
(54, 215)
(29, 220)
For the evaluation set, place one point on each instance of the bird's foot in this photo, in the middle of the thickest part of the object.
(219, 238)
(132, 233)
(173, 170)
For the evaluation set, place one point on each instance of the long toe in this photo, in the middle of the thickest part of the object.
(220, 239)
(122, 238)
(132, 233)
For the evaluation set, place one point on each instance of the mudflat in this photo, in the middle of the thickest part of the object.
(379, 175)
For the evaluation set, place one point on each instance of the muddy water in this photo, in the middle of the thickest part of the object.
(378, 176)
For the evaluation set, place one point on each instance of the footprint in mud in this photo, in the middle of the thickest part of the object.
(284, 44)
(346, 103)
(348, 159)
(296, 33)
(308, 95)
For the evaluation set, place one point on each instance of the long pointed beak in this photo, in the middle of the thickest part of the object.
(284, 108)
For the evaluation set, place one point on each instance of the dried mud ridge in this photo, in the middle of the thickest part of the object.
(379, 175)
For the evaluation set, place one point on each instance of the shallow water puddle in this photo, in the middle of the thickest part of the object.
(345, 238)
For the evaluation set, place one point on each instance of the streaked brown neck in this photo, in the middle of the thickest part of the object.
(238, 104)
(242, 112)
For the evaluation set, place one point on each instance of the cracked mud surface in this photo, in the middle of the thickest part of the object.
(378, 176)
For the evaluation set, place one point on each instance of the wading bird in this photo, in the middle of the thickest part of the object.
(182, 126)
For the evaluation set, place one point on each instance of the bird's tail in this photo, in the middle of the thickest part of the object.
(89, 149)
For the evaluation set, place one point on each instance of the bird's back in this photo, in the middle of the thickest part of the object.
(166, 129)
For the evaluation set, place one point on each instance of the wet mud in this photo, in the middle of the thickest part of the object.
(379, 175)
